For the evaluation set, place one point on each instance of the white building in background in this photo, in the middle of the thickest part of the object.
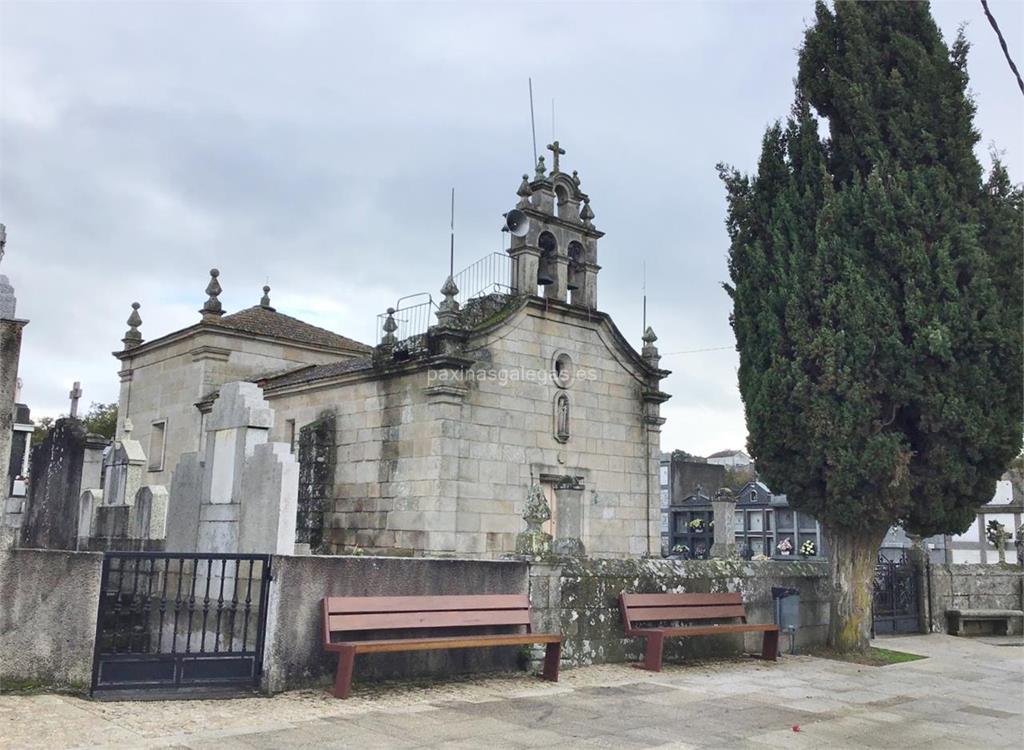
(1006, 507)
(732, 459)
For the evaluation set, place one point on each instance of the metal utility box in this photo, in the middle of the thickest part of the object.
(787, 612)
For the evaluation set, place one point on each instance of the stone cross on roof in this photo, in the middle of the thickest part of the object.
(557, 150)
(76, 393)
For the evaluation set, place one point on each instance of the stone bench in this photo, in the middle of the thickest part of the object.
(967, 622)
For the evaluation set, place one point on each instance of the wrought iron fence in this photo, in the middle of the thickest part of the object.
(170, 620)
(412, 322)
(491, 274)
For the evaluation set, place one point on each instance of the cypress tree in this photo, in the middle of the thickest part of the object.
(876, 278)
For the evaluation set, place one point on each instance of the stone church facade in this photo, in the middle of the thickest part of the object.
(428, 444)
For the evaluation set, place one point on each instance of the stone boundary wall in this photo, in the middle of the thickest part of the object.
(294, 654)
(580, 599)
(973, 586)
(48, 604)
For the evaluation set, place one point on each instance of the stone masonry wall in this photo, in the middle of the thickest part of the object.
(164, 384)
(579, 598)
(974, 587)
(426, 472)
(48, 603)
(294, 652)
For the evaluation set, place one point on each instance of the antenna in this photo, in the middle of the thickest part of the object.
(533, 126)
(643, 286)
(451, 252)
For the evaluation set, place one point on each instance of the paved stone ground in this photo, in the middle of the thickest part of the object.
(967, 694)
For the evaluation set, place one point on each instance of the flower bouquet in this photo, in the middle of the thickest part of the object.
(697, 524)
(785, 547)
(807, 549)
(680, 549)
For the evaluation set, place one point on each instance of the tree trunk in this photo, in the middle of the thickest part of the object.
(851, 559)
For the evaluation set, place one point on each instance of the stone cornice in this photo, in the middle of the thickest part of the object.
(213, 328)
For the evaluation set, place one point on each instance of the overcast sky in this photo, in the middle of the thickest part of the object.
(315, 145)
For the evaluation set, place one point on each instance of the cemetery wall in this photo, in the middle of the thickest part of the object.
(974, 587)
(294, 652)
(48, 617)
(579, 598)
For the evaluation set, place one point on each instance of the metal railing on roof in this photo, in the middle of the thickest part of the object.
(491, 274)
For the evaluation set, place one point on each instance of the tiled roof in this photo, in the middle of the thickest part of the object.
(318, 372)
(723, 454)
(262, 321)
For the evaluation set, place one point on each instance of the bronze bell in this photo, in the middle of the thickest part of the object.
(544, 277)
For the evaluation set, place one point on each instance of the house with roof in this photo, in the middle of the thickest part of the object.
(731, 458)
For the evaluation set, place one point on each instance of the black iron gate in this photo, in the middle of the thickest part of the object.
(172, 621)
(895, 601)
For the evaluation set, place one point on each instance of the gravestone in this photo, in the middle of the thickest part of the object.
(270, 487)
(723, 506)
(183, 504)
(242, 497)
(51, 509)
(122, 468)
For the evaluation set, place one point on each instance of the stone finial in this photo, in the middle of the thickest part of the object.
(132, 337)
(535, 541)
(448, 310)
(390, 326)
(576, 177)
(212, 307)
(587, 214)
(265, 299)
(541, 169)
(3, 241)
(725, 494)
(650, 351)
(524, 192)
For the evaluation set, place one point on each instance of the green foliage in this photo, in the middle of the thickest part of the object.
(43, 424)
(876, 281)
(101, 419)
(737, 477)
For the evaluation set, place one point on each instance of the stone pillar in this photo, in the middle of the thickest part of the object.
(52, 506)
(10, 352)
(525, 264)
(569, 522)
(723, 507)
(559, 289)
(918, 554)
(586, 296)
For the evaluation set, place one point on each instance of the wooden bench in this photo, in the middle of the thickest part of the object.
(689, 608)
(442, 614)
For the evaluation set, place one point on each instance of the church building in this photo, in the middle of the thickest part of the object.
(428, 442)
